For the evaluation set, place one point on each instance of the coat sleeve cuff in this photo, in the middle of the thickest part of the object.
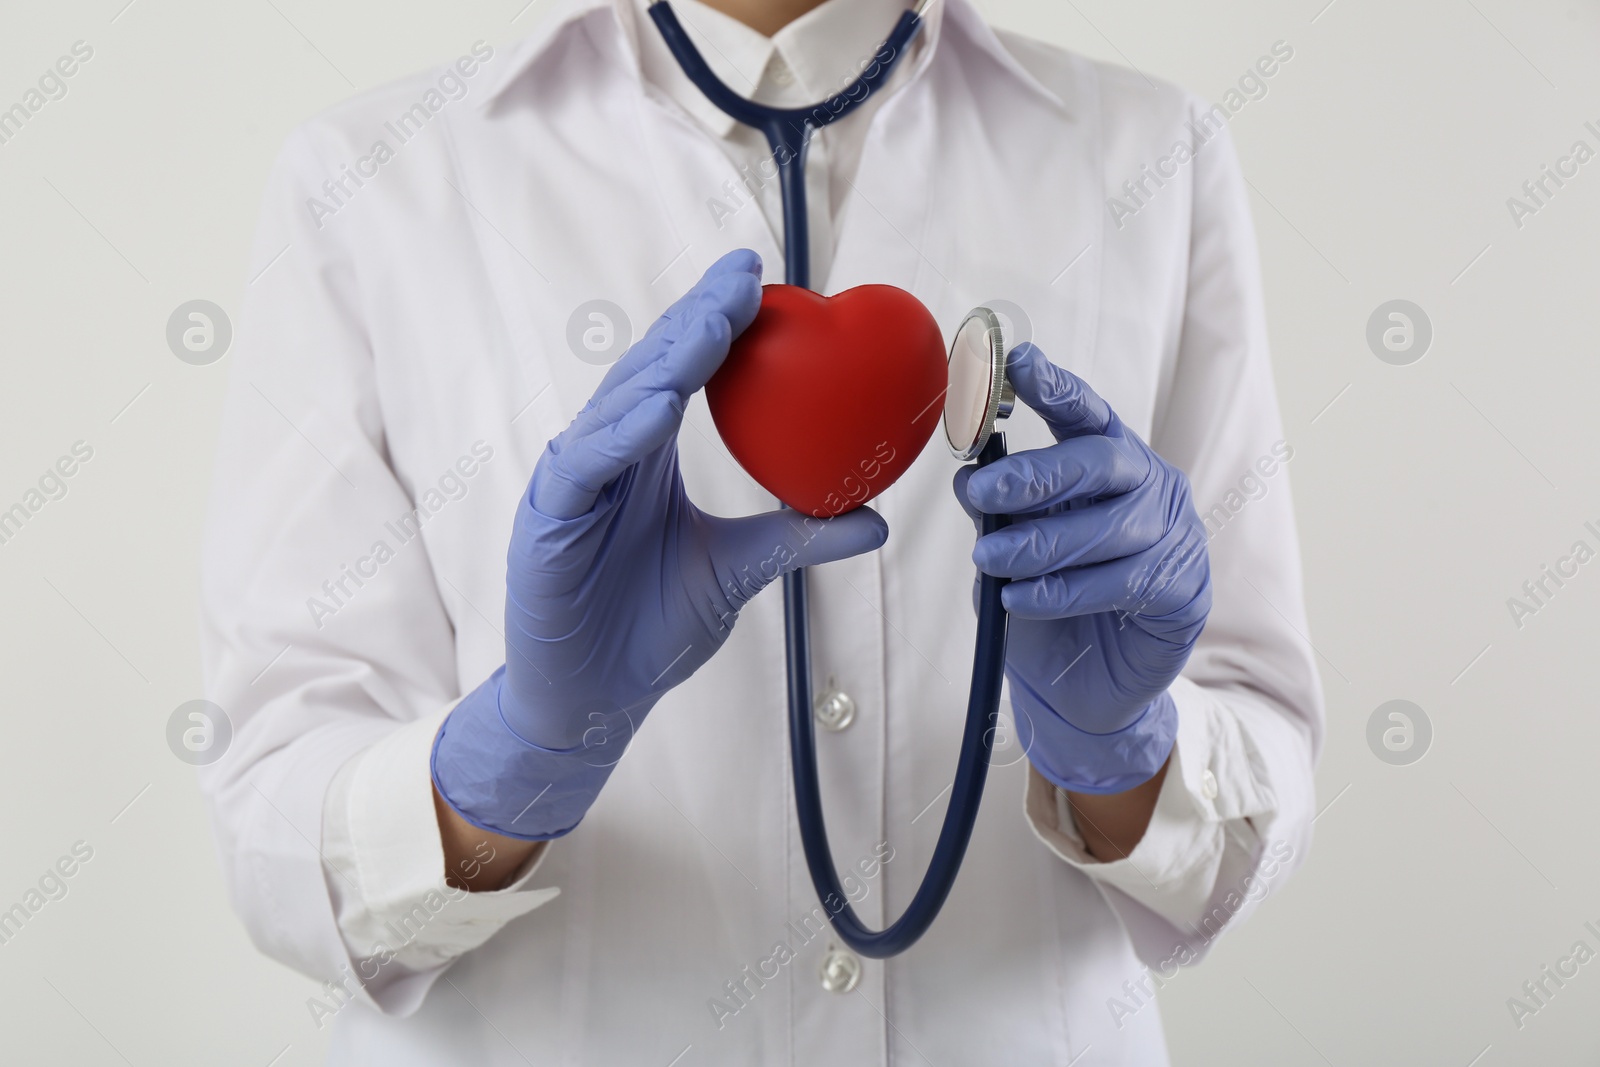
(1212, 782)
(400, 921)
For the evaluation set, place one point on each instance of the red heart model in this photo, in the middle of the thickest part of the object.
(826, 401)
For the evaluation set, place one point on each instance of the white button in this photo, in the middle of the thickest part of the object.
(781, 74)
(1208, 785)
(835, 710)
(841, 970)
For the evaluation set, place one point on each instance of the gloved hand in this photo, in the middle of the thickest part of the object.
(1110, 584)
(617, 587)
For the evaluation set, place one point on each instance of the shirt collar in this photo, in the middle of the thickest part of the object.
(563, 19)
(735, 53)
(811, 49)
(822, 51)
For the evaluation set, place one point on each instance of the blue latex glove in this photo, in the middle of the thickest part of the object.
(617, 587)
(1110, 584)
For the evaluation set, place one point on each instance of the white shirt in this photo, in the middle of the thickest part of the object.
(403, 357)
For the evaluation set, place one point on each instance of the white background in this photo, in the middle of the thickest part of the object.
(1381, 159)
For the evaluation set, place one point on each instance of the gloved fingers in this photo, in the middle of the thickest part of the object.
(959, 483)
(1172, 588)
(693, 358)
(1167, 577)
(1086, 590)
(704, 296)
(1077, 468)
(962, 478)
(753, 552)
(1097, 533)
(682, 368)
(739, 261)
(1066, 403)
(567, 483)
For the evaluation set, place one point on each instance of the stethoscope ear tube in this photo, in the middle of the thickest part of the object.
(972, 766)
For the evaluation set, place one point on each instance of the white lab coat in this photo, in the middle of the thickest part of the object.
(403, 357)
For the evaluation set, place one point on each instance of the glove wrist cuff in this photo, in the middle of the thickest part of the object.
(1102, 764)
(500, 782)
(500, 713)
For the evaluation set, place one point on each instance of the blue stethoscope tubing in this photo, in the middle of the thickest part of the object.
(788, 132)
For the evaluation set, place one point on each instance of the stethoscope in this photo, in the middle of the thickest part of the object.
(972, 407)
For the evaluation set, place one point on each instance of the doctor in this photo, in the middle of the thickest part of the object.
(465, 536)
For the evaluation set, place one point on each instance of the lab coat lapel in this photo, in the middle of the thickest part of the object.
(936, 206)
(883, 226)
(700, 194)
(621, 216)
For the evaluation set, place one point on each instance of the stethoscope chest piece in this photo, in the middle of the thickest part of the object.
(977, 395)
